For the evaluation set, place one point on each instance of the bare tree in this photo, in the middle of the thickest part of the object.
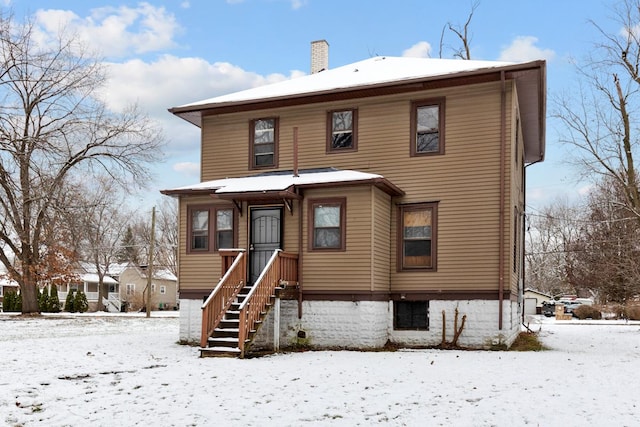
(53, 125)
(166, 240)
(462, 33)
(551, 241)
(98, 220)
(600, 119)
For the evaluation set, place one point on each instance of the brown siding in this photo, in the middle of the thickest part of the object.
(380, 260)
(465, 181)
(196, 271)
(342, 270)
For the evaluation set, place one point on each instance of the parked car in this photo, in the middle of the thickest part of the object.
(569, 306)
(549, 308)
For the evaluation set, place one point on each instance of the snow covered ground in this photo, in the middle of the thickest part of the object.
(63, 370)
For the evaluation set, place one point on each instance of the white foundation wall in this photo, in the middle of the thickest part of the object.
(190, 320)
(481, 329)
(369, 324)
(328, 324)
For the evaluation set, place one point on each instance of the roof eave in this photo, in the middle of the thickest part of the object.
(194, 113)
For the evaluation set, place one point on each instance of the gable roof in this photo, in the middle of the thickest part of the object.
(283, 184)
(381, 75)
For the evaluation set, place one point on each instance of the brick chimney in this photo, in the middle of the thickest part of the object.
(319, 56)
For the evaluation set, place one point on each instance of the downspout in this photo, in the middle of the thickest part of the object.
(300, 251)
(503, 141)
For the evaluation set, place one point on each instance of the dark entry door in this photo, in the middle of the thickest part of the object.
(266, 237)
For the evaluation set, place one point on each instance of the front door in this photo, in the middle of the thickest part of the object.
(265, 237)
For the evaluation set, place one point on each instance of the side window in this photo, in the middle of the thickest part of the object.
(412, 315)
(427, 127)
(263, 143)
(199, 234)
(417, 237)
(327, 228)
(210, 228)
(342, 130)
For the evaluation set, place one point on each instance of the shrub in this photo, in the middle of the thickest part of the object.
(80, 302)
(54, 301)
(632, 312)
(12, 302)
(585, 311)
(43, 300)
(70, 302)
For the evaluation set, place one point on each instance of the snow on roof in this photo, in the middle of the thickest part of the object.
(93, 278)
(4, 281)
(278, 182)
(372, 71)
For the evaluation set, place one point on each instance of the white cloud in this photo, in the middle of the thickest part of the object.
(419, 50)
(523, 49)
(190, 169)
(171, 81)
(585, 189)
(297, 4)
(114, 32)
(185, 5)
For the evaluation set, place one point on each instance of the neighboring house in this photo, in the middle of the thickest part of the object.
(133, 281)
(87, 281)
(533, 301)
(7, 285)
(394, 188)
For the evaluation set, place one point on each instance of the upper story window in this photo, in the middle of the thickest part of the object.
(327, 224)
(342, 128)
(210, 228)
(427, 127)
(417, 237)
(263, 141)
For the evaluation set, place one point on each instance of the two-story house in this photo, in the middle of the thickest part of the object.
(382, 195)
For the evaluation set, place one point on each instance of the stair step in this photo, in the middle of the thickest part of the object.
(220, 352)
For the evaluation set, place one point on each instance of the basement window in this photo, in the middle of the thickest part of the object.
(411, 315)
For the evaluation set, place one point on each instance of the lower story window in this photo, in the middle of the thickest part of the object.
(411, 315)
(417, 237)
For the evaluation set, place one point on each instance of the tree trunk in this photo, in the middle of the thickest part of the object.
(29, 293)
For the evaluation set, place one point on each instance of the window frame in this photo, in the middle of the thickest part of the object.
(276, 135)
(130, 289)
(163, 289)
(433, 207)
(396, 326)
(415, 105)
(354, 131)
(341, 202)
(212, 240)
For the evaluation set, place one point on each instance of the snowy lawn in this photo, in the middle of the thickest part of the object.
(61, 370)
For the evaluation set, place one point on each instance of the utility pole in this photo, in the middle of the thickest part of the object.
(150, 263)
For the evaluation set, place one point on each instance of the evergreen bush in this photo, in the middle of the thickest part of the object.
(12, 302)
(70, 302)
(54, 301)
(43, 300)
(81, 304)
(585, 311)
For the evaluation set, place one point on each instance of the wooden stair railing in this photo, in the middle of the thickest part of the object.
(224, 294)
(281, 267)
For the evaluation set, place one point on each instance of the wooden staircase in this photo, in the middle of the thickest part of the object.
(225, 338)
(234, 312)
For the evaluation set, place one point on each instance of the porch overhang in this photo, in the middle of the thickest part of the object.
(283, 185)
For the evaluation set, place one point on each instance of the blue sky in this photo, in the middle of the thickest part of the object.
(163, 54)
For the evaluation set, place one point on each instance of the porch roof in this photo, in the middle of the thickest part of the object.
(283, 184)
